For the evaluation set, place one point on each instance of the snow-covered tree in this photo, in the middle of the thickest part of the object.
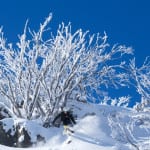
(140, 79)
(45, 71)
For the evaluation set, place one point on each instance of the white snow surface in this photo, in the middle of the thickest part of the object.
(99, 127)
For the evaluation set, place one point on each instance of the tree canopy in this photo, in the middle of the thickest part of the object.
(42, 73)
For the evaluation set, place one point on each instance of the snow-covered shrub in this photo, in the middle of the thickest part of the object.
(45, 71)
(140, 79)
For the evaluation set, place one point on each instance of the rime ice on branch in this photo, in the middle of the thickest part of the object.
(45, 71)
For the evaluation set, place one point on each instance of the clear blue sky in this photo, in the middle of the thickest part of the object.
(125, 21)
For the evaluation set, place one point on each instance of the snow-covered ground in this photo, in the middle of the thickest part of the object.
(100, 127)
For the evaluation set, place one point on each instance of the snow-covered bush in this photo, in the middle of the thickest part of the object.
(140, 79)
(45, 71)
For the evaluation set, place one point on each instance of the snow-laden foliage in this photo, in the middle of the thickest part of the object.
(121, 101)
(44, 71)
(140, 79)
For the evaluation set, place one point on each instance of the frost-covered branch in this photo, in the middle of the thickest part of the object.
(140, 78)
(43, 74)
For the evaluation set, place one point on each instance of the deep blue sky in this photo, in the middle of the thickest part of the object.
(125, 21)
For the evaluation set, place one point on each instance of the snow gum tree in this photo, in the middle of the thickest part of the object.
(45, 71)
